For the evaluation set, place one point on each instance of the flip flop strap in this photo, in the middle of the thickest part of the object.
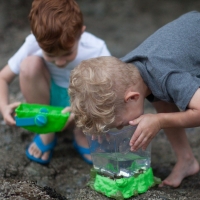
(42, 146)
(82, 150)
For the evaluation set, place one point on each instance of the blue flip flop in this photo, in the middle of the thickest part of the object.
(81, 150)
(43, 148)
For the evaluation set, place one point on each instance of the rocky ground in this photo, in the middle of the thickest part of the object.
(123, 25)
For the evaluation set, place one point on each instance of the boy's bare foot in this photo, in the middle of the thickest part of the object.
(81, 140)
(36, 152)
(180, 171)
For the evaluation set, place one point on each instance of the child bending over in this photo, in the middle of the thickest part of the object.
(107, 92)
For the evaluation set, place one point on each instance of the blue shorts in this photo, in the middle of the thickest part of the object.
(59, 96)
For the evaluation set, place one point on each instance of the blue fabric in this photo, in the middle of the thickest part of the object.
(43, 148)
(59, 96)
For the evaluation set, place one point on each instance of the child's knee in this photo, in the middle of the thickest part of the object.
(31, 66)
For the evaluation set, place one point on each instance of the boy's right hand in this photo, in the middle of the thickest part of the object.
(8, 113)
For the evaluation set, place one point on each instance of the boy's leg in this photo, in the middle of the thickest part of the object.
(81, 140)
(35, 83)
(187, 164)
(60, 97)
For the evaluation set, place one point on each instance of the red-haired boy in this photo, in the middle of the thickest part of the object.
(57, 44)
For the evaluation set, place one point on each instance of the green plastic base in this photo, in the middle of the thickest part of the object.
(123, 188)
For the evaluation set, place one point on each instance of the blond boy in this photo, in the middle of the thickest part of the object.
(107, 92)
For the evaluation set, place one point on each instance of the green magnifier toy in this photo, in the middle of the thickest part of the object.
(40, 119)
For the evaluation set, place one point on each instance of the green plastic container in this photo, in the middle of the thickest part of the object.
(40, 119)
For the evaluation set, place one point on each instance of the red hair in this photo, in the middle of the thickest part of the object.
(56, 24)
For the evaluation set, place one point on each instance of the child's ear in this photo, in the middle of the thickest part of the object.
(83, 28)
(131, 96)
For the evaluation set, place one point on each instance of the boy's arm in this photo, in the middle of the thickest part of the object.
(150, 124)
(6, 76)
(70, 121)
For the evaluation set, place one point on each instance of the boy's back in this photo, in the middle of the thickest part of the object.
(170, 58)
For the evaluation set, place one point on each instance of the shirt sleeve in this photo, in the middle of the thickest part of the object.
(104, 51)
(30, 47)
(181, 86)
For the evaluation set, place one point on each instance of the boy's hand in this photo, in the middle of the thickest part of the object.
(8, 113)
(71, 117)
(148, 127)
(99, 138)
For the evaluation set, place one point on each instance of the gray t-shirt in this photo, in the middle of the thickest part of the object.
(169, 60)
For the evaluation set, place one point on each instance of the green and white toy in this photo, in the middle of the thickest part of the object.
(40, 119)
(117, 172)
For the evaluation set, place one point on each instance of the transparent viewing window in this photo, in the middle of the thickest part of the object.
(112, 157)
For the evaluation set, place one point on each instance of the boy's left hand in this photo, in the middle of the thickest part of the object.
(148, 127)
(71, 117)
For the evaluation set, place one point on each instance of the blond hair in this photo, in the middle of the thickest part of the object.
(96, 90)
